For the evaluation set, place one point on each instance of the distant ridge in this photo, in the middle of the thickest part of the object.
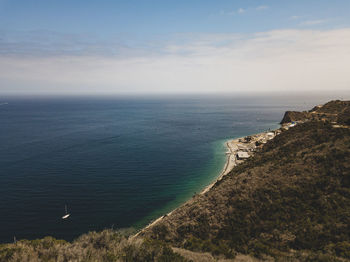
(333, 111)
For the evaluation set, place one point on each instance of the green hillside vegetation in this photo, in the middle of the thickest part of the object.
(289, 202)
(107, 245)
(293, 195)
(290, 199)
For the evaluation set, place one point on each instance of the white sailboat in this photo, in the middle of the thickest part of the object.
(66, 215)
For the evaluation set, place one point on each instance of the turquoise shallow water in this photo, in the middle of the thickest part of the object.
(115, 161)
(209, 172)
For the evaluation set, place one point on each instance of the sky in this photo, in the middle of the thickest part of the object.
(173, 46)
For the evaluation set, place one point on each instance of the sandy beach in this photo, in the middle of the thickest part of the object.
(245, 144)
(229, 165)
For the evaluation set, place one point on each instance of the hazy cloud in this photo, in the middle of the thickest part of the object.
(231, 13)
(312, 22)
(241, 11)
(268, 61)
(262, 7)
(47, 43)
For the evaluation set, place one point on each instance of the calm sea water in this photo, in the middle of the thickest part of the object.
(117, 162)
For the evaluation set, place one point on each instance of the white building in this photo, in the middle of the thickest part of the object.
(270, 135)
(242, 155)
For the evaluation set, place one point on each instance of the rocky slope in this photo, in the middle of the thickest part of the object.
(292, 199)
(333, 111)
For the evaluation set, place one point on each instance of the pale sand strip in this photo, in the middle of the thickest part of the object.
(229, 165)
(233, 146)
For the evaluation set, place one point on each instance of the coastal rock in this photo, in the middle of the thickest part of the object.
(291, 116)
(334, 111)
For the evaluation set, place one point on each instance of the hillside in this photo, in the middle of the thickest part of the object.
(290, 202)
(333, 111)
(293, 195)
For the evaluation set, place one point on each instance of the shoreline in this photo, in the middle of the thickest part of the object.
(233, 146)
(229, 165)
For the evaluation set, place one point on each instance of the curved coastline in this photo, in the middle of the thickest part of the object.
(205, 189)
(233, 146)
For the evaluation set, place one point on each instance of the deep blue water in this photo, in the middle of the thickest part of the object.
(116, 161)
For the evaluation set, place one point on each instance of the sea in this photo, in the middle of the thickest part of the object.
(116, 162)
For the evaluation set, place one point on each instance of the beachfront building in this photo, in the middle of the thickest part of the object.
(241, 155)
(270, 135)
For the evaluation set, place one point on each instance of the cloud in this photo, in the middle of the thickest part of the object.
(272, 61)
(294, 17)
(231, 13)
(262, 7)
(312, 22)
(47, 43)
(241, 11)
